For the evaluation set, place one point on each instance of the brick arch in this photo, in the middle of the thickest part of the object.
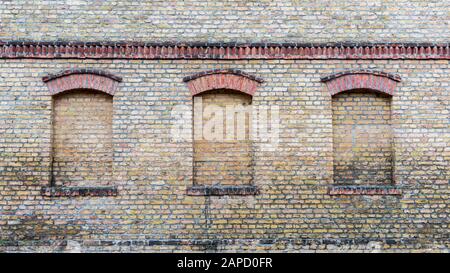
(377, 81)
(82, 79)
(231, 79)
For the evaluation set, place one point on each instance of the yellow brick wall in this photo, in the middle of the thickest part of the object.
(293, 210)
(82, 138)
(227, 20)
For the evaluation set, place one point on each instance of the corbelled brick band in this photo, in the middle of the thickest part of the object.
(82, 79)
(228, 51)
(231, 79)
(361, 79)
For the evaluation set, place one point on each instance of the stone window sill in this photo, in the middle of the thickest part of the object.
(222, 190)
(79, 191)
(364, 190)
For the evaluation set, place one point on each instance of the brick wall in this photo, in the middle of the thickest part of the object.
(226, 21)
(362, 138)
(302, 56)
(82, 138)
(293, 210)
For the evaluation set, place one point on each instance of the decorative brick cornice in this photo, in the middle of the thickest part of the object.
(78, 191)
(364, 190)
(226, 51)
(231, 79)
(223, 190)
(362, 79)
(72, 79)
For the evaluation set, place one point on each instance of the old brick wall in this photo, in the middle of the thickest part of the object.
(226, 21)
(293, 210)
(299, 201)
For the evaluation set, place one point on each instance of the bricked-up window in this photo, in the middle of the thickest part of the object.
(362, 138)
(222, 144)
(82, 138)
(82, 152)
(362, 132)
(222, 131)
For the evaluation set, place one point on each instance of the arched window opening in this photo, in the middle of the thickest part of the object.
(222, 146)
(362, 138)
(223, 152)
(82, 138)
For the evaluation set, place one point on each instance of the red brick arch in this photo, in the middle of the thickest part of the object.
(362, 79)
(82, 79)
(232, 79)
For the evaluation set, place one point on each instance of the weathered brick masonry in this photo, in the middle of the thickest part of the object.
(88, 159)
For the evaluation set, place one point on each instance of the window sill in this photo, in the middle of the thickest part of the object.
(222, 190)
(364, 190)
(79, 191)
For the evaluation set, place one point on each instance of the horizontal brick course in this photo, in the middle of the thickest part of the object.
(225, 51)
